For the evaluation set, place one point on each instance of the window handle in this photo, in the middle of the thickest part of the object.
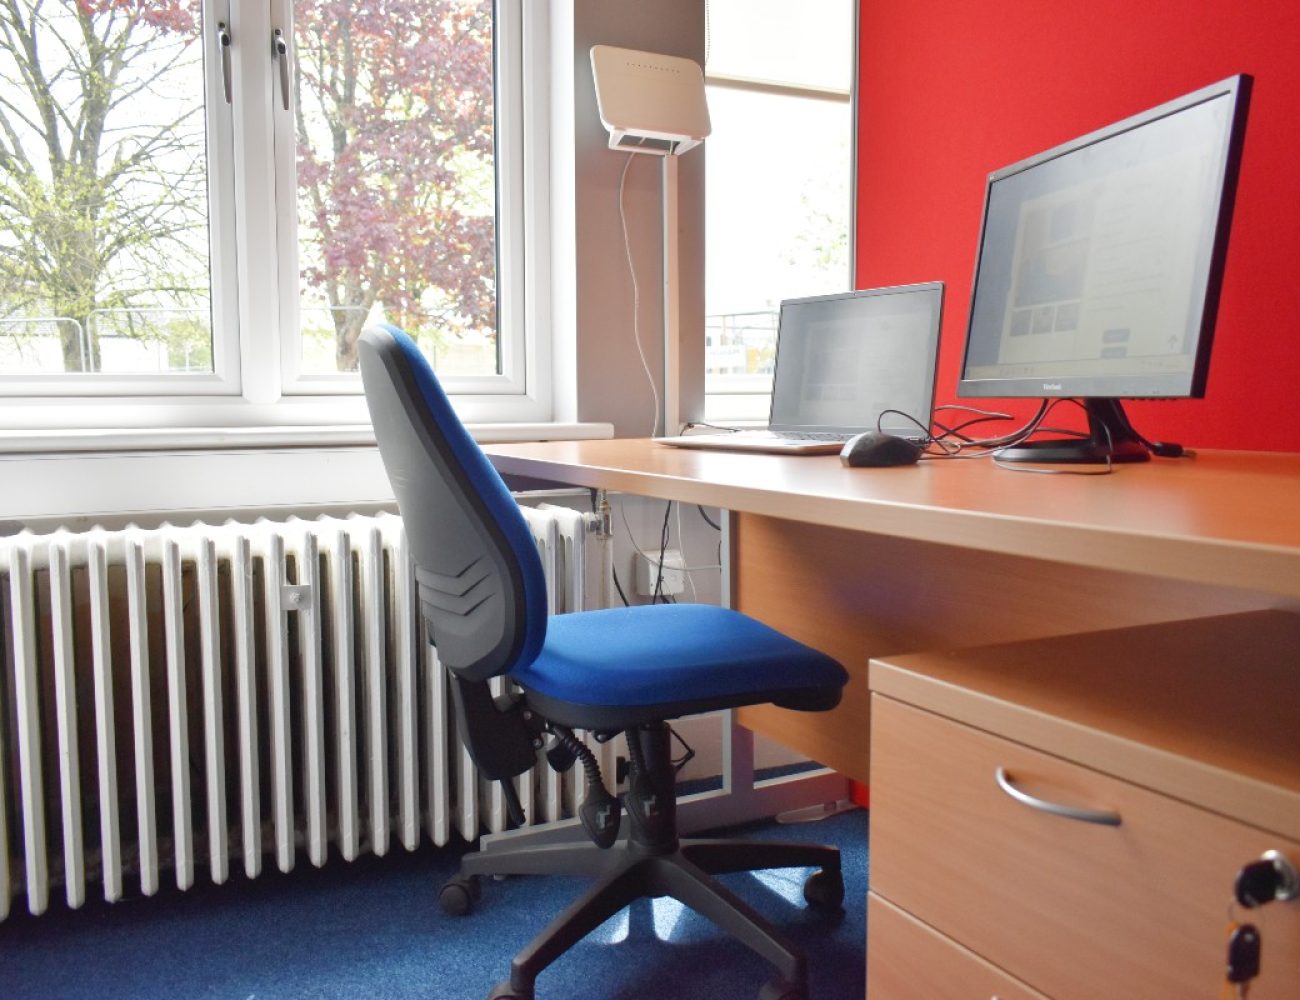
(1104, 817)
(223, 39)
(280, 51)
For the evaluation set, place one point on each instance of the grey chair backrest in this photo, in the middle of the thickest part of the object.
(479, 577)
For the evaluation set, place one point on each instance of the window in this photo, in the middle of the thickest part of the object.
(210, 200)
(779, 170)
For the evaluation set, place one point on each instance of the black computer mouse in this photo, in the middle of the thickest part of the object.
(875, 449)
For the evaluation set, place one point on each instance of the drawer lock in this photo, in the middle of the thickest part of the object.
(1273, 878)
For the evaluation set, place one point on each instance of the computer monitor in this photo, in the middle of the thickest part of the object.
(1099, 269)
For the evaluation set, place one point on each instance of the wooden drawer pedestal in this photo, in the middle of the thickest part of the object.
(1189, 733)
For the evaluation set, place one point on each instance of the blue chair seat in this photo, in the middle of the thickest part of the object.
(618, 666)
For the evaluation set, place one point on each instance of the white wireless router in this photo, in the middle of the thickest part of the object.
(650, 103)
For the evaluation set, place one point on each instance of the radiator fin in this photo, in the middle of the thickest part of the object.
(177, 713)
(65, 694)
(29, 751)
(141, 719)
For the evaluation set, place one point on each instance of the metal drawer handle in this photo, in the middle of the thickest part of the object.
(1005, 782)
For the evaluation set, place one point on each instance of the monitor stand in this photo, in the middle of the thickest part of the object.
(1110, 435)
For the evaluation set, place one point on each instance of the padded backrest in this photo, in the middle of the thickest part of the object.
(478, 574)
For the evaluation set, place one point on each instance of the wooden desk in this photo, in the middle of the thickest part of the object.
(876, 562)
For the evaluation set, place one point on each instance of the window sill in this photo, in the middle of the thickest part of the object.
(81, 478)
(248, 438)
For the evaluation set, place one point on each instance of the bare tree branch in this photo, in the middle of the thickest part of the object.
(101, 221)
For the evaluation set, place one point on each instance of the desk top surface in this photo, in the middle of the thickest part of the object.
(1227, 518)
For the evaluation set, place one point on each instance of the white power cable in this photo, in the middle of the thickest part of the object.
(681, 547)
(636, 295)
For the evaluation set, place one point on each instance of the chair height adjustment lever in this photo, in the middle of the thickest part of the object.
(601, 815)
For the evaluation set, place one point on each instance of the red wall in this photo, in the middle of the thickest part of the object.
(950, 90)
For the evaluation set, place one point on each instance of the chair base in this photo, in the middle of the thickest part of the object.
(650, 861)
(629, 872)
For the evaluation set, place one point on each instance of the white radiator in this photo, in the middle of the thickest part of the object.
(187, 696)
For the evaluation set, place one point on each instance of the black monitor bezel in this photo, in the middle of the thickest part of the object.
(1179, 386)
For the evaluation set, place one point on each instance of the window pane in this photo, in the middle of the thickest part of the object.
(778, 225)
(103, 189)
(396, 181)
(808, 44)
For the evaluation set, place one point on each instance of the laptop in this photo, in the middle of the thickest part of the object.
(841, 362)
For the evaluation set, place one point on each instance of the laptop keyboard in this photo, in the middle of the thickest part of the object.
(811, 436)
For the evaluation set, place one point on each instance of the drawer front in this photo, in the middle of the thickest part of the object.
(906, 960)
(1077, 910)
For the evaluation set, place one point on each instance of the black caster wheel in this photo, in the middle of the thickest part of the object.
(504, 991)
(779, 989)
(824, 890)
(458, 895)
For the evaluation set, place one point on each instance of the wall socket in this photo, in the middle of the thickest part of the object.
(647, 571)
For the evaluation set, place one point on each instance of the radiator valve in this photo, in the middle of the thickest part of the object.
(602, 521)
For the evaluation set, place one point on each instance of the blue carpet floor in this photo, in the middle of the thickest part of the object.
(373, 929)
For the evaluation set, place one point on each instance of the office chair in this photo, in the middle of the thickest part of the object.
(620, 670)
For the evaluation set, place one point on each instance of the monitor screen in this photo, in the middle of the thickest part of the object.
(1100, 261)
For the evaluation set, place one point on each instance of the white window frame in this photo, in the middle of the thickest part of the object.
(249, 388)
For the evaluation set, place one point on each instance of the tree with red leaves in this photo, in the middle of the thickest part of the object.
(395, 178)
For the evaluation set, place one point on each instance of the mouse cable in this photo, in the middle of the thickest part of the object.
(980, 416)
(960, 449)
(952, 439)
(953, 443)
(906, 416)
(1035, 425)
(947, 449)
(956, 430)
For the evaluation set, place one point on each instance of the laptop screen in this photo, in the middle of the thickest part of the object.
(842, 360)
